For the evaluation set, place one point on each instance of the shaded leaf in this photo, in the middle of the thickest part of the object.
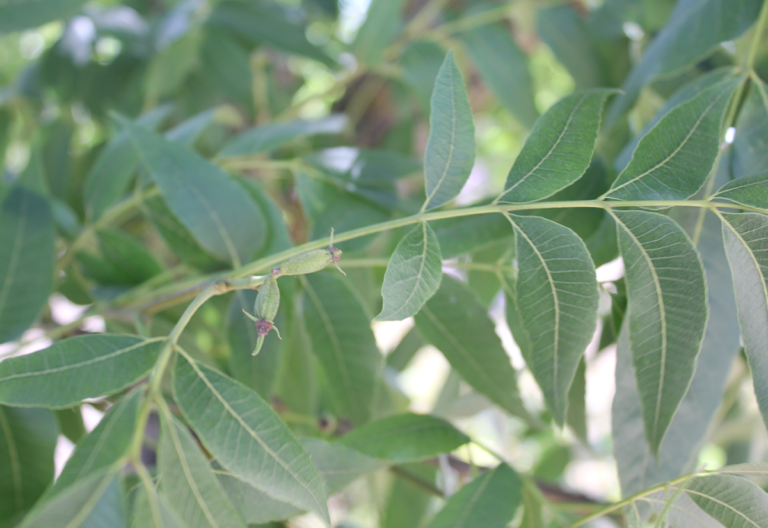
(104, 446)
(421, 62)
(269, 137)
(413, 274)
(406, 504)
(188, 482)
(226, 222)
(750, 190)
(694, 28)
(733, 501)
(559, 149)
(128, 255)
(556, 298)
(382, 24)
(746, 244)
(490, 501)
(504, 66)
(576, 416)
(405, 438)
(750, 147)
(27, 260)
(94, 502)
(161, 516)
(27, 442)
(462, 235)
(411, 342)
(16, 15)
(80, 367)
(246, 436)
(450, 151)
(667, 313)
(343, 342)
(673, 160)
(455, 322)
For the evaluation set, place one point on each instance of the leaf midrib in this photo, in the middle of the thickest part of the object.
(725, 505)
(419, 275)
(452, 142)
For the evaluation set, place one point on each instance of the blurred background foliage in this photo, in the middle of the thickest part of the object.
(321, 108)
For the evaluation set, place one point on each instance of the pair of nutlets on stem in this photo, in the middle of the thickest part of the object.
(268, 298)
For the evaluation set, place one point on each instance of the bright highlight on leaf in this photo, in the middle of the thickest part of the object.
(413, 274)
(451, 147)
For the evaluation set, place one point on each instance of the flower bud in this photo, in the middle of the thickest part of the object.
(310, 261)
(267, 301)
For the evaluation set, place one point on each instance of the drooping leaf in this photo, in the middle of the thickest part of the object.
(750, 190)
(683, 95)
(188, 482)
(413, 274)
(223, 219)
(678, 452)
(667, 313)
(27, 442)
(733, 501)
(26, 260)
(94, 502)
(746, 244)
(343, 342)
(405, 438)
(17, 15)
(673, 160)
(694, 28)
(455, 322)
(490, 501)
(750, 155)
(71, 423)
(559, 149)
(81, 367)
(266, 138)
(268, 23)
(381, 26)
(338, 465)
(246, 436)
(450, 151)
(105, 445)
(504, 66)
(556, 298)
(411, 342)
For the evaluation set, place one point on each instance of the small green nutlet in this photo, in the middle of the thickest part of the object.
(267, 300)
(310, 261)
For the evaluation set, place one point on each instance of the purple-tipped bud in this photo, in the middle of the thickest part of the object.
(263, 327)
(335, 254)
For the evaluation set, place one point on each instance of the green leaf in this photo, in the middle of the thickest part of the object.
(463, 235)
(568, 35)
(413, 274)
(27, 260)
(115, 165)
(421, 61)
(694, 29)
(104, 446)
(746, 244)
(224, 220)
(94, 502)
(246, 436)
(270, 137)
(683, 95)
(576, 416)
(188, 131)
(257, 372)
(278, 239)
(71, 423)
(338, 465)
(504, 66)
(407, 504)
(750, 190)
(733, 501)
(188, 482)
(171, 66)
(268, 23)
(405, 438)
(557, 299)
(490, 501)
(128, 255)
(343, 342)
(450, 151)
(455, 322)
(559, 149)
(673, 160)
(667, 313)
(27, 442)
(81, 367)
(678, 452)
(16, 15)
(403, 353)
(749, 152)
(144, 516)
(381, 26)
